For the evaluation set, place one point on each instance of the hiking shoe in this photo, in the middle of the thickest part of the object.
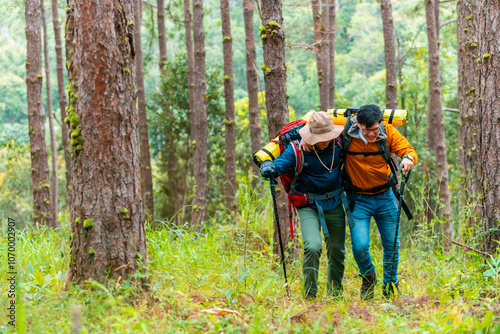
(368, 286)
(388, 289)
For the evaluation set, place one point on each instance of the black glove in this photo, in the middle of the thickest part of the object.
(267, 169)
(291, 135)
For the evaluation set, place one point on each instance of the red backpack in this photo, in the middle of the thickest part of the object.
(289, 178)
(284, 140)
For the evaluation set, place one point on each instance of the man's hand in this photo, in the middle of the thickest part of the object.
(406, 165)
(268, 169)
(305, 146)
(291, 135)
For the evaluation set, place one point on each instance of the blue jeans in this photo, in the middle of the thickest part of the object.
(383, 208)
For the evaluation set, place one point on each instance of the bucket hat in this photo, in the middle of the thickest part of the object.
(320, 128)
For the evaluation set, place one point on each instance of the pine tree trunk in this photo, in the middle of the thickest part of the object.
(321, 49)
(189, 54)
(229, 122)
(54, 181)
(436, 110)
(61, 91)
(331, 54)
(106, 209)
(42, 213)
(146, 175)
(276, 101)
(391, 84)
(190, 73)
(253, 88)
(431, 119)
(199, 111)
(162, 39)
(479, 97)
(436, 13)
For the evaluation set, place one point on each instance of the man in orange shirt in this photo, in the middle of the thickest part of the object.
(369, 178)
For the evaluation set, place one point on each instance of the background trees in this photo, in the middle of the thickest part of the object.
(252, 84)
(42, 212)
(199, 119)
(435, 128)
(229, 121)
(360, 66)
(146, 176)
(54, 199)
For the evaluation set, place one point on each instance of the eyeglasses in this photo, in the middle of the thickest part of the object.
(366, 131)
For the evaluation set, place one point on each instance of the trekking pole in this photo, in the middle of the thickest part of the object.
(404, 180)
(272, 183)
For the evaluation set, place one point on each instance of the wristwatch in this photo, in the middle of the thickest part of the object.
(409, 157)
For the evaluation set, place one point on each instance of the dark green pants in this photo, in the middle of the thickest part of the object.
(310, 227)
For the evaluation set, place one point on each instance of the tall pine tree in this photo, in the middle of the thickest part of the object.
(42, 213)
(229, 123)
(479, 97)
(106, 207)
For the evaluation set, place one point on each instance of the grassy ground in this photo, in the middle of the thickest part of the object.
(441, 293)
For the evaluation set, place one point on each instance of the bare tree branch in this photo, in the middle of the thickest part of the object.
(149, 4)
(450, 109)
(447, 22)
(472, 249)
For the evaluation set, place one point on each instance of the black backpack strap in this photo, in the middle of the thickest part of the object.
(366, 154)
(299, 161)
(392, 115)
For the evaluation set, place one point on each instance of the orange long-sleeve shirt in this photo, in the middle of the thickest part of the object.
(367, 172)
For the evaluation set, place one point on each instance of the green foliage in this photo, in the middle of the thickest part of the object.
(169, 114)
(16, 199)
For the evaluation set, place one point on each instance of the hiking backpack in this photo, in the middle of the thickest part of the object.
(289, 135)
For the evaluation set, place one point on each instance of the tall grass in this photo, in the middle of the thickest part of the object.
(231, 266)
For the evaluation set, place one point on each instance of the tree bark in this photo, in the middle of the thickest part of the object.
(252, 84)
(276, 101)
(479, 97)
(436, 13)
(229, 122)
(391, 84)
(331, 54)
(162, 39)
(54, 181)
(437, 122)
(42, 213)
(321, 36)
(189, 54)
(199, 111)
(190, 72)
(61, 91)
(106, 209)
(146, 175)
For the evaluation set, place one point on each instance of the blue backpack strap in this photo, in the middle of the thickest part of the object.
(314, 198)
